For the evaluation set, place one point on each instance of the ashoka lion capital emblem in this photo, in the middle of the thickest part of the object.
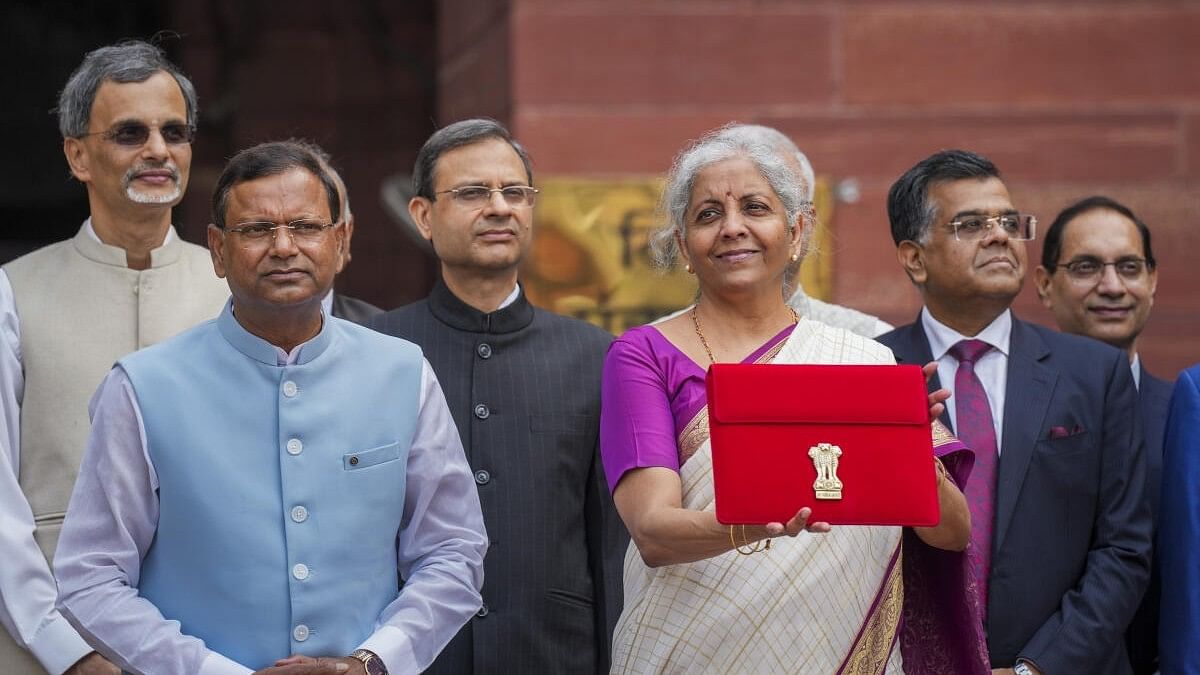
(825, 460)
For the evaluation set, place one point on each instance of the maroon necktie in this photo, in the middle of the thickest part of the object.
(974, 427)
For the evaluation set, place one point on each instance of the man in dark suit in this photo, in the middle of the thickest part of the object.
(523, 386)
(1060, 524)
(1098, 277)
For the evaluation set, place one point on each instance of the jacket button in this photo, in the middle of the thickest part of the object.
(294, 446)
(290, 389)
(482, 412)
(483, 611)
(299, 514)
(484, 350)
(483, 477)
(300, 633)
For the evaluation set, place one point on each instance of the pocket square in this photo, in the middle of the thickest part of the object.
(1063, 432)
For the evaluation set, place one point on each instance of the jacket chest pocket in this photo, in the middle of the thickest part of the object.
(1067, 465)
(365, 459)
(375, 479)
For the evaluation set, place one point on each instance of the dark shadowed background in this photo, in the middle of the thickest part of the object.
(1068, 98)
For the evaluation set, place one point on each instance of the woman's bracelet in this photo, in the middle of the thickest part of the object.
(747, 547)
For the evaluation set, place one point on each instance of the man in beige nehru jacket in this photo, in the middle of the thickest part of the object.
(69, 310)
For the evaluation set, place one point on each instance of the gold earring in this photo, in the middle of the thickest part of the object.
(688, 268)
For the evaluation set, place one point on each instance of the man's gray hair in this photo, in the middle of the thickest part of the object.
(714, 147)
(126, 61)
(465, 132)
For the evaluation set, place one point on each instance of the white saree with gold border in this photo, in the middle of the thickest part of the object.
(811, 604)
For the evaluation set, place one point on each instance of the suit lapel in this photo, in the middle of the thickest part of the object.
(1030, 386)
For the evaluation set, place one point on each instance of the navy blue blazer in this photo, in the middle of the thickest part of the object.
(1072, 533)
(1179, 533)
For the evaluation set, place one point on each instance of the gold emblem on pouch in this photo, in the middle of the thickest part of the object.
(825, 461)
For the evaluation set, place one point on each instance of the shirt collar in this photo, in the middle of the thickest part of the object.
(1136, 366)
(327, 303)
(941, 337)
(512, 297)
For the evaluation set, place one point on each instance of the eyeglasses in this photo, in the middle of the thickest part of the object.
(1089, 270)
(477, 195)
(134, 134)
(301, 231)
(1019, 226)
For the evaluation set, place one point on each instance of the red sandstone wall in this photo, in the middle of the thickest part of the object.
(1069, 98)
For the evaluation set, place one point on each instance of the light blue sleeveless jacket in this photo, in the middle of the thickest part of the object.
(281, 488)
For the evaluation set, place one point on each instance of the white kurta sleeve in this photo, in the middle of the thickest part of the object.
(441, 545)
(27, 590)
(110, 524)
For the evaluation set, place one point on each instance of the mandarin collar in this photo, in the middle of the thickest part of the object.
(90, 247)
(448, 309)
(264, 352)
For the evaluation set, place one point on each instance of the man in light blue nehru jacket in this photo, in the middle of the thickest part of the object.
(251, 488)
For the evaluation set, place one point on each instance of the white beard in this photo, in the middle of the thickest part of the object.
(143, 198)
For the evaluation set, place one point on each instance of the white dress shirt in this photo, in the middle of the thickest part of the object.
(27, 589)
(117, 491)
(512, 297)
(991, 369)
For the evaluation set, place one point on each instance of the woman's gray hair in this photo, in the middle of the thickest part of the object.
(718, 146)
(126, 61)
(778, 140)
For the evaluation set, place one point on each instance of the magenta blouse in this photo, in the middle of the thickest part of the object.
(648, 393)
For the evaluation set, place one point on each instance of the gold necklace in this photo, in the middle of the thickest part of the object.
(703, 341)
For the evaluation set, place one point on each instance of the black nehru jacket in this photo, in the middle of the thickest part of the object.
(523, 385)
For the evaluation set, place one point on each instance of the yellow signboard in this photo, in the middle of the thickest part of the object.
(591, 257)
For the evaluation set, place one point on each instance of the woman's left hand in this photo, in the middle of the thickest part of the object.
(799, 523)
(937, 399)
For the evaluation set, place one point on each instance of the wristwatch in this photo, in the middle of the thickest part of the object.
(373, 663)
(1022, 668)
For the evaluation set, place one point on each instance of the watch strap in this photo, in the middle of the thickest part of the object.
(371, 661)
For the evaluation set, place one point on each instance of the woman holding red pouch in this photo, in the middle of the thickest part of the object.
(696, 596)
